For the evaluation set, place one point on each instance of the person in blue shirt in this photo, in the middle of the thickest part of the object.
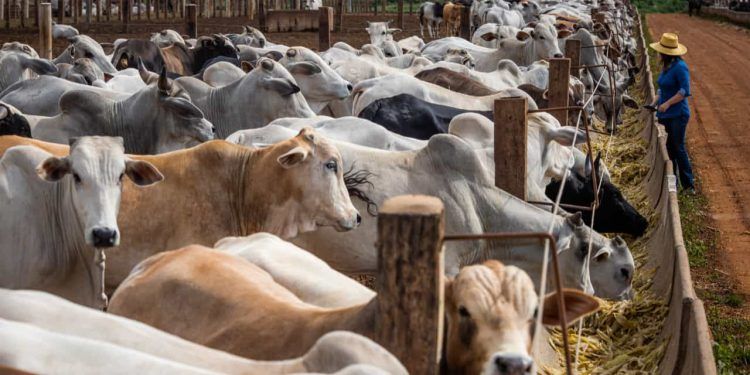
(672, 106)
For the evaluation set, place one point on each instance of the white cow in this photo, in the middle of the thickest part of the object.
(318, 82)
(18, 66)
(166, 38)
(371, 90)
(537, 44)
(59, 211)
(305, 275)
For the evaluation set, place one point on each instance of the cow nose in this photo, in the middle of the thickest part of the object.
(359, 219)
(349, 87)
(625, 272)
(104, 237)
(213, 129)
(558, 55)
(513, 364)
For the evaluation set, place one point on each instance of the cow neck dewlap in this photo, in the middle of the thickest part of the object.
(265, 204)
(64, 232)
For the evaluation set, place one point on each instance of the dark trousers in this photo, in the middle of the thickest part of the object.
(676, 128)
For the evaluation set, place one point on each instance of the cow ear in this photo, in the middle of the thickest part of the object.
(598, 164)
(577, 305)
(246, 66)
(303, 67)
(587, 165)
(545, 95)
(522, 35)
(567, 135)
(629, 101)
(488, 36)
(602, 254)
(576, 219)
(142, 173)
(53, 169)
(283, 86)
(293, 157)
(563, 34)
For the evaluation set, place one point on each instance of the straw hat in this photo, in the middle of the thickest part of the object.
(669, 45)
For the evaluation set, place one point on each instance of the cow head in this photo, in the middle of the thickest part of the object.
(83, 46)
(88, 70)
(177, 121)
(257, 39)
(17, 66)
(609, 110)
(380, 32)
(274, 88)
(12, 122)
(611, 264)
(308, 176)
(317, 81)
(209, 47)
(490, 313)
(543, 36)
(20, 47)
(460, 56)
(614, 214)
(95, 169)
(166, 38)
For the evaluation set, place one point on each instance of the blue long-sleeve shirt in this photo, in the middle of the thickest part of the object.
(676, 79)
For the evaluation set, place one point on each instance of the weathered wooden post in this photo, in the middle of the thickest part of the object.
(400, 10)
(325, 20)
(24, 12)
(192, 20)
(465, 31)
(557, 92)
(88, 12)
(60, 11)
(573, 52)
(262, 15)
(45, 30)
(36, 14)
(385, 7)
(126, 15)
(339, 15)
(410, 281)
(510, 140)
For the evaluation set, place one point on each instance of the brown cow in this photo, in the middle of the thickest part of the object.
(225, 302)
(455, 81)
(452, 18)
(219, 189)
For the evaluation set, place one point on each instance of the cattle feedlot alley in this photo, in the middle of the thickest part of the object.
(343, 187)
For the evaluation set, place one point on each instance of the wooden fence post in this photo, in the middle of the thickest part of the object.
(410, 281)
(88, 12)
(37, 8)
(24, 12)
(510, 145)
(559, 83)
(325, 19)
(262, 15)
(400, 10)
(45, 30)
(192, 20)
(339, 15)
(465, 31)
(126, 15)
(60, 11)
(573, 52)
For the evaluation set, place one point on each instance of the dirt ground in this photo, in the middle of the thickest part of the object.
(718, 133)
(353, 31)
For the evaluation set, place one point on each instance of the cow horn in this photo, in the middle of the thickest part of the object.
(164, 86)
(145, 74)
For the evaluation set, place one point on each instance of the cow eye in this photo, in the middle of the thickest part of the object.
(122, 175)
(541, 37)
(332, 166)
(76, 178)
(463, 312)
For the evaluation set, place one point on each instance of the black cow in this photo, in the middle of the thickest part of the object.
(12, 123)
(209, 47)
(413, 117)
(127, 53)
(614, 214)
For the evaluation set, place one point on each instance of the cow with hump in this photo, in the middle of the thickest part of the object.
(43, 325)
(219, 189)
(58, 210)
(490, 308)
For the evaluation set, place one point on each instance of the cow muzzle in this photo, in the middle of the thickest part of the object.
(510, 364)
(102, 237)
(348, 224)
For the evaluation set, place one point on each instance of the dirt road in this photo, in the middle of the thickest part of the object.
(719, 130)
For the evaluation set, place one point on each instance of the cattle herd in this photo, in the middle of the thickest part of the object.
(180, 205)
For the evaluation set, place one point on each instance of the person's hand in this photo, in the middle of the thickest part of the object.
(663, 108)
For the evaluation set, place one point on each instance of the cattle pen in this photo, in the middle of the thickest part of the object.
(663, 329)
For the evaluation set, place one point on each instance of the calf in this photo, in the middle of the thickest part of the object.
(489, 309)
(70, 204)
